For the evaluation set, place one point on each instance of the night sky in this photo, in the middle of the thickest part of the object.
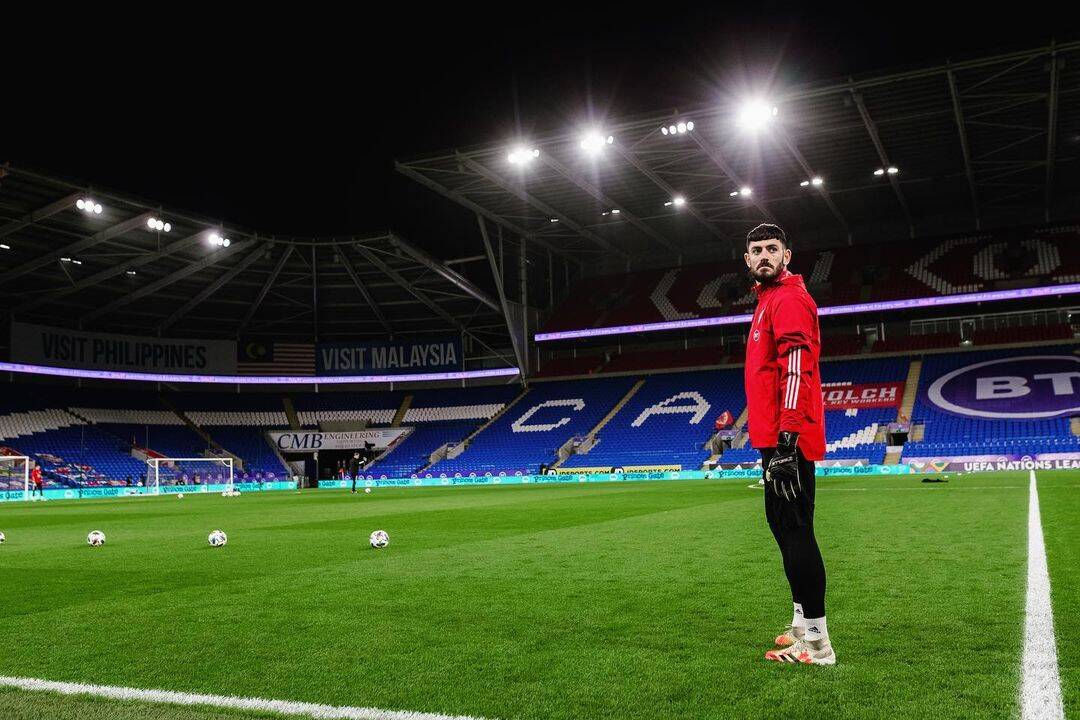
(290, 125)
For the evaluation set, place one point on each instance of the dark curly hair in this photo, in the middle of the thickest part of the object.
(768, 231)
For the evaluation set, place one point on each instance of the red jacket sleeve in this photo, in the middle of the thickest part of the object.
(793, 327)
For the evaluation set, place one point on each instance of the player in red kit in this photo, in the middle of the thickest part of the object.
(787, 424)
(36, 483)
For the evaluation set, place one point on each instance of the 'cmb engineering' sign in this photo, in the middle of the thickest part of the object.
(301, 442)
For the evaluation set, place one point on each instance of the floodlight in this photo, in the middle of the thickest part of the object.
(522, 155)
(681, 128)
(817, 182)
(879, 172)
(893, 170)
(678, 201)
(756, 114)
(80, 203)
(804, 183)
(594, 142)
(745, 191)
(4, 247)
(97, 209)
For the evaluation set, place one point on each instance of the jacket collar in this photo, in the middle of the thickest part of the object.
(786, 278)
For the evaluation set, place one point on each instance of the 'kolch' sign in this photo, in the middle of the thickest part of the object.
(60, 347)
(305, 442)
(866, 395)
(389, 358)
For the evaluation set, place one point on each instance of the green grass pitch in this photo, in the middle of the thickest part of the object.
(650, 600)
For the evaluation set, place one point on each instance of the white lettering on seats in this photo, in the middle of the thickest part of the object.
(697, 410)
(519, 425)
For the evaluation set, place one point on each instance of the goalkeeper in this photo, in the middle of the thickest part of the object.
(787, 424)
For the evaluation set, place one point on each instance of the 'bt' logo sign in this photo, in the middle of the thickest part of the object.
(1028, 387)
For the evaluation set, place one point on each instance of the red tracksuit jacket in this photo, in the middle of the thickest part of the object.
(783, 383)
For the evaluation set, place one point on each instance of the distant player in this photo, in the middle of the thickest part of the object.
(356, 466)
(787, 424)
(36, 483)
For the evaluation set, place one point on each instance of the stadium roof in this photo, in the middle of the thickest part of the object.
(978, 144)
(111, 271)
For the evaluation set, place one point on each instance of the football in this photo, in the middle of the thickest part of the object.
(217, 538)
(367, 491)
(2, 538)
(96, 538)
(179, 496)
(379, 539)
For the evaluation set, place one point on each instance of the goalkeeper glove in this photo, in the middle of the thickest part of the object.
(783, 470)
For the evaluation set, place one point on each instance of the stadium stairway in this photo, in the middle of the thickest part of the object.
(591, 435)
(907, 404)
(290, 412)
(741, 437)
(469, 438)
(406, 403)
(1074, 425)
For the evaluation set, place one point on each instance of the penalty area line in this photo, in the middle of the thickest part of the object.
(1040, 687)
(170, 697)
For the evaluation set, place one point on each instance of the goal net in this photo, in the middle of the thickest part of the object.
(195, 474)
(15, 474)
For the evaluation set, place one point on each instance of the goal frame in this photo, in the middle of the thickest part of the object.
(26, 472)
(154, 470)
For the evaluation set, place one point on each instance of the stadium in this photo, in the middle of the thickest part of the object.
(552, 430)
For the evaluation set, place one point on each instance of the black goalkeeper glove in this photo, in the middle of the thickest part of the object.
(783, 470)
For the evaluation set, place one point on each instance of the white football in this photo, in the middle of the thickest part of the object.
(379, 539)
(367, 491)
(2, 537)
(179, 496)
(218, 538)
(96, 538)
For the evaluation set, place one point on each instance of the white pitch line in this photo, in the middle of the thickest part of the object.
(1040, 688)
(169, 697)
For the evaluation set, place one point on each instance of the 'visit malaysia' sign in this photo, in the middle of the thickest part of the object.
(389, 357)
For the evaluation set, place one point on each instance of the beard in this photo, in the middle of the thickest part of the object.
(765, 275)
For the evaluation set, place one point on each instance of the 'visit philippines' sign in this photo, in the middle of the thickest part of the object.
(1020, 388)
(389, 358)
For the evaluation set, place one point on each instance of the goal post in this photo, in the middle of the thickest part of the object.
(9, 469)
(170, 465)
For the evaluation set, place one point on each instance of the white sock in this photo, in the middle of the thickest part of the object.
(816, 629)
(797, 619)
